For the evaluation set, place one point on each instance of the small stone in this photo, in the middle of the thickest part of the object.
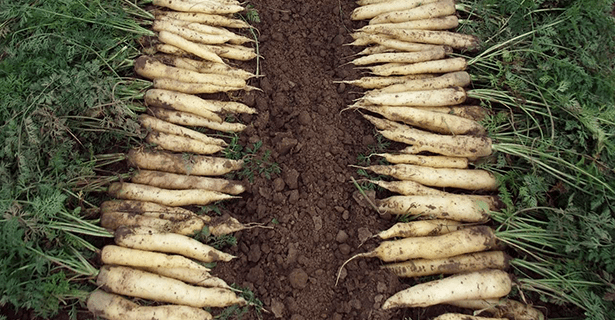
(381, 287)
(355, 303)
(346, 215)
(265, 84)
(292, 253)
(317, 223)
(255, 274)
(344, 249)
(298, 278)
(363, 234)
(265, 248)
(341, 88)
(278, 37)
(294, 196)
(277, 307)
(304, 118)
(291, 177)
(249, 100)
(255, 253)
(368, 140)
(286, 145)
(378, 298)
(278, 184)
(279, 197)
(341, 237)
(338, 40)
(339, 209)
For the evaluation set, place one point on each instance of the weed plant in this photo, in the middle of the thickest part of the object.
(546, 72)
(65, 100)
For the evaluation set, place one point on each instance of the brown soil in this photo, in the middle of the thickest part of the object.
(292, 267)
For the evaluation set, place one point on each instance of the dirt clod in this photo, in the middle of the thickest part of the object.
(291, 178)
(363, 234)
(341, 237)
(277, 307)
(298, 278)
(255, 253)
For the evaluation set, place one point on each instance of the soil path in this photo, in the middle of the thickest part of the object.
(293, 267)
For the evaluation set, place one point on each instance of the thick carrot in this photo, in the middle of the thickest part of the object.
(440, 23)
(143, 238)
(443, 123)
(176, 143)
(476, 113)
(168, 180)
(420, 98)
(485, 284)
(381, 82)
(197, 49)
(371, 10)
(146, 285)
(204, 66)
(434, 66)
(155, 124)
(193, 120)
(506, 308)
(116, 255)
(191, 276)
(402, 57)
(203, 7)
(425, 11)
(420, 228)
(114, 307)
(458, 264)
(194, 88)
(208, 19)
(426, 161)
(178, 163)
(116, 219)
(453, 207)
(451, 39)
(172, 198)
(468, 240)
(149, 209)
(468, 179)
(150, 68)
(191, 103)
(189, 34)
(451, 79)
(471, 147)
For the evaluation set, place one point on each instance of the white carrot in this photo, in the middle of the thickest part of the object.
(114, 307)
(193, 120)
(425, 11)
(178, 163)
(468, 179)
(146, 285)
(149, 239)
(486, 284)
(199, 50)
(434, 66)
(203, 7)
(155, 124)
(172, 198)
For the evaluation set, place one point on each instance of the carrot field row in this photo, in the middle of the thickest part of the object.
(157, 159)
